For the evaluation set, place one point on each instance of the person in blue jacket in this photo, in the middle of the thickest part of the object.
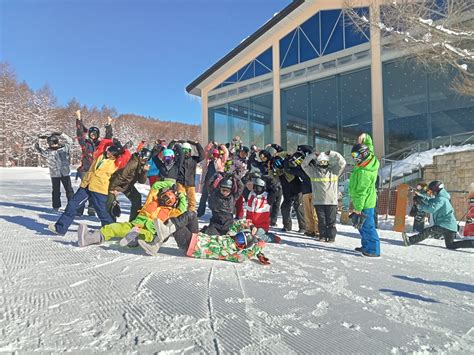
(445, 226)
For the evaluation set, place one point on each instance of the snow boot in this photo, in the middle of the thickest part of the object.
(368, 255)
(163, 231)
(359, 249)
(86, 237)
(406, 239)
(52, 228)
(131, 239)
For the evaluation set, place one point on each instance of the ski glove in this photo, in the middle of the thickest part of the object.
(357, 219)
(262, 259)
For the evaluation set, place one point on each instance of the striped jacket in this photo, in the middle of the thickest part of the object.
(324, 181)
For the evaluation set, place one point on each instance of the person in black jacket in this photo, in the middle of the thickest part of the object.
(123, 181)
(169, 162)
(188, 171)
(223, 195)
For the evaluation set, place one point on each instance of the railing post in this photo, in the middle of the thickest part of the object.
(389, 192)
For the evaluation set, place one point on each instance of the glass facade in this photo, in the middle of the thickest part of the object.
(421, 107)
(250, 119)
(329, 113)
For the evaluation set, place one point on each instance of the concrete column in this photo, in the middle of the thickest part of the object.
(204, 118)
(376, 81)
(276, 124)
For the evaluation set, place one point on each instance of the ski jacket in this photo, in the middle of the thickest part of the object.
(151, 210)
(88, 146)
(188, 171)
(441, 209)
(219, 204)
(58, 160)
(204, 246)
(172, 171)
(362, 189)
(123, 179)
(304, 181)
(98, 177)
(324, 181)
(258, 210)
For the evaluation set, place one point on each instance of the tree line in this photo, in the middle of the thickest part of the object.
(26, 113)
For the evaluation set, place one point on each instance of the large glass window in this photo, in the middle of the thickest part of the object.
(295, 112)
(250, 119)
(405, 105)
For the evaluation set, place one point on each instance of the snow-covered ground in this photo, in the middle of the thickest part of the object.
(313, 298)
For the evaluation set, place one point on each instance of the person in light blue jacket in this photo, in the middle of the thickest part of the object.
(445, 226)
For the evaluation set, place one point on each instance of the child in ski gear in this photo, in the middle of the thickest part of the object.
(58, 159)
(89, 140)
(363, 194)
(169, 161)
(94, 186)
(419, 216)
(163, 202)
(445, 226)
(188, 171)
(243, 241)
(222, 204)
(214, 162)
(123, 181)
(324, 170)
(257, 206)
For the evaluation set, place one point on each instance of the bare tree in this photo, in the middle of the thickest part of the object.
(438, 34)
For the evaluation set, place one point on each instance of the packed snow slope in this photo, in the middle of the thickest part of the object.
(313, 298)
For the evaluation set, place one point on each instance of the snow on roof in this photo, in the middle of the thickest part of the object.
(415, 160)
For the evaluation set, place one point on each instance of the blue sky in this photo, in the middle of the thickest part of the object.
(134, 55)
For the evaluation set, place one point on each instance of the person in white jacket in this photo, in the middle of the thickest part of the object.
(324, 170)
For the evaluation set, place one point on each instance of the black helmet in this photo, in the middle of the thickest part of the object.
(226, 184)
(265, 153)
(145, 154)
(305, 149)
(360, 153)
(245, 149)
(258, 186)
(94, 130)
(115, 149)
(435, 186)
(52, 140)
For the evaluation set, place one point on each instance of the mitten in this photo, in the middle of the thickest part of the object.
(262, 259)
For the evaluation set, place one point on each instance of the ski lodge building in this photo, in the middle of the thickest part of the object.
(307, 77)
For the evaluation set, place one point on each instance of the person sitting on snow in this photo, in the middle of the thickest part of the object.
(445, 226)
(163, 202)
(242, 242)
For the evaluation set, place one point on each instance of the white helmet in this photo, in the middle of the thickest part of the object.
(186, 146)
(323, 159)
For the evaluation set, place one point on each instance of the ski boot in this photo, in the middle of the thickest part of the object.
(163, 231)
(86, 237)
(131, 239)
(52, 228)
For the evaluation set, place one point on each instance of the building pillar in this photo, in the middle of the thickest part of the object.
(276, 123)
(378, 131)
(204, 118)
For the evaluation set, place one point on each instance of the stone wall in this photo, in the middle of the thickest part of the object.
(456, 170)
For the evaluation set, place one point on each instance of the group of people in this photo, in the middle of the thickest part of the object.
(245, 189)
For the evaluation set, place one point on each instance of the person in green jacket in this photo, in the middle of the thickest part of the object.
(445, 226)
(364, 195)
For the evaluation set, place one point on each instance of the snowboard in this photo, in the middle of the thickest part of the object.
(401, 208)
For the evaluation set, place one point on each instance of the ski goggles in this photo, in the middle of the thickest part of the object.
(355, 155)
(241, 240)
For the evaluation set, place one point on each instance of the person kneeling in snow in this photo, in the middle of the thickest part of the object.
(242, 242)
(162, 203)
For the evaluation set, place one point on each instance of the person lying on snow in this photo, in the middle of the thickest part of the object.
(243, 241)
(163, 202)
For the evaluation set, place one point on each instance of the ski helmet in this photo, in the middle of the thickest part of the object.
(186, 146)
(305, 149)
(168, 156)
(53, 140)
(115, 149)
(225, 184)
(245, 149)
(95, 131)
(435, 186)
(167, 198)
(144, 154)
(264, 154)
(296, 159)
(360, 153)
(215, 153)
(259, 186)
(323, 160)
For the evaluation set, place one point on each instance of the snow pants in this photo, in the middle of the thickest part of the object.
(186, 224)
(438, 232)
(90, 209)
(370, 237)
(203, 201)
(135, 199)
(275, 207)
(121, 229)
(99, 202)
(327, 221)
(56, 195)
(220, 223)
(310, 217)
(294, 201)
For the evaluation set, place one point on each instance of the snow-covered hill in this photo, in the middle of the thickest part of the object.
(313, 298)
